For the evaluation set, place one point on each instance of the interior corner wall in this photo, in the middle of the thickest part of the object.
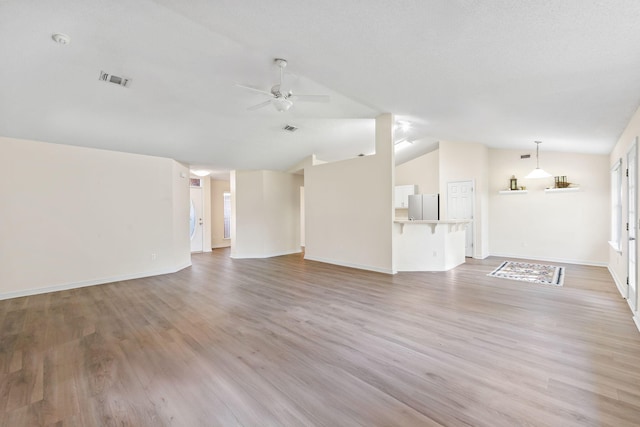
(467, 162)
(266, 213)
(218, 188)
(568, 227)
(617, 261)
(180, 206)
(349, 207)
(74, 216)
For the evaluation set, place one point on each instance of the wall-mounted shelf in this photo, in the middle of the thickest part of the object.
(561, 190)
(513, 191)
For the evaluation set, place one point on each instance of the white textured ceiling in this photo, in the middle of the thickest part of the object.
(503, 73)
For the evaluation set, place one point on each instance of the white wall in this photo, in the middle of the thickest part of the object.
(218, 188)
(467, 162)
(75, 216)
(423, 171)
(180, 206)
(565, 227)
(349, 207)
(265, 213)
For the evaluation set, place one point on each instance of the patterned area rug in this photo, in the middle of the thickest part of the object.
(534, 273)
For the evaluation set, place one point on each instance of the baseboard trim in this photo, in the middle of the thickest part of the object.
(85, 283)
(220, 246)
(617, 282)
(561, 260)
(260, 256)
(636, 320)
(350, 265)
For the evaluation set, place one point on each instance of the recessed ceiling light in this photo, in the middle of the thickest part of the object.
(61, 38)
(200, 173)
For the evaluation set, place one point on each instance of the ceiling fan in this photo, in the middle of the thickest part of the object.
(282, 101)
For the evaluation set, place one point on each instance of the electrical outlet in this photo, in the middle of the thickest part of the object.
(435, 254)
(154, 257)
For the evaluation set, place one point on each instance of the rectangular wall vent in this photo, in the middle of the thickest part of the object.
(290, 128)
(110, 78)
(525, 156)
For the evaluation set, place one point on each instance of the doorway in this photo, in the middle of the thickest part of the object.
(196, 214)
(460, 206)
(632, 220)
(302, 243)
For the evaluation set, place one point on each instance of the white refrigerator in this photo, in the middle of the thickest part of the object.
(424, 206)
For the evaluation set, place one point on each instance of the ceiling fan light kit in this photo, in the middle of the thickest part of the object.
(537, 172)
(282, 104)
(282, 101)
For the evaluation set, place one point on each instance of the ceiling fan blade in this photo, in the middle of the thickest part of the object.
(255, 89)
(312, 98)
(262, 104)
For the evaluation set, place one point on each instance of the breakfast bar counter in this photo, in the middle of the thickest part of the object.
(429, 245)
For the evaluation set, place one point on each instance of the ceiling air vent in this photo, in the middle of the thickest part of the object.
(290, 128)
(110, 78)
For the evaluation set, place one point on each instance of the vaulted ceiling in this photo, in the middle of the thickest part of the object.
(499, 72)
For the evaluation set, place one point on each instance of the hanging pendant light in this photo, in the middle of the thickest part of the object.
(537, 172)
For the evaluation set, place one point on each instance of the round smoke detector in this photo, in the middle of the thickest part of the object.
(61, 38)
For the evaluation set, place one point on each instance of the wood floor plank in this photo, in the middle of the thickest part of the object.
(289, 342)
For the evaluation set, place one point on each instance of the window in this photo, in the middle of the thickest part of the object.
(227, 214)
(616, 206)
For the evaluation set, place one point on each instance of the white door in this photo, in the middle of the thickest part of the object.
(632, 221)
(195, 220)
(302, 217)
(460, 206)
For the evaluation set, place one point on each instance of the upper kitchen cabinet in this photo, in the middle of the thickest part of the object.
(402, 193)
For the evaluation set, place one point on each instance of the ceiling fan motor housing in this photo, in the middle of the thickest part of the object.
(275, 90)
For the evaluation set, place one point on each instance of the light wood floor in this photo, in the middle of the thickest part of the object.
(288, 342)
